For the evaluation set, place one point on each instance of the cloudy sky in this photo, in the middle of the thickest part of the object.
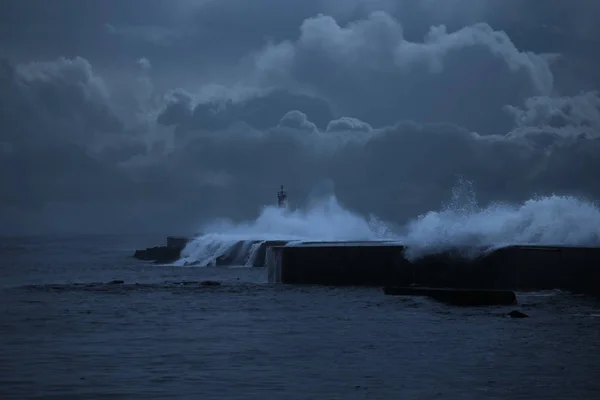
(156, 115)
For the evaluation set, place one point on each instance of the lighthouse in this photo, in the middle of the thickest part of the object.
(281, 198)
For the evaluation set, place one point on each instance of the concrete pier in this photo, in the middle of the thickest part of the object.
(522, 268)
(242, 252)
(382, 263)
(331, 263)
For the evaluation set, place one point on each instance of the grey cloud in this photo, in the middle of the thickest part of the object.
(154, 34)
(261, 110)
(390, 118)
(50, 100)
(440, 78)
(192, 32)
(345, 124)
(297, 120)
(57, 117)
(178, 110)
(401, 170)
(144, 63)
(567, 113)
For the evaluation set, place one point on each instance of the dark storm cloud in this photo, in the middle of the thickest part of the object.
(441, 78)
(154, 34)
(72, 26)
(198, 37)
(387, 108)
(64, 92)
(261, 110)
(348, 124)
(56, 121)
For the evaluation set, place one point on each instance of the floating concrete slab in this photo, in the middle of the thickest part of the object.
(457, 297)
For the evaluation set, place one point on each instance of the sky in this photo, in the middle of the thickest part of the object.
(156, 115)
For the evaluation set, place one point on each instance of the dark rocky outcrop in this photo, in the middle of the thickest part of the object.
(164, 254)
(243, 252)
(159, 254)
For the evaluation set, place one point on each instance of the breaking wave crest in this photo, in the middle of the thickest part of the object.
(461, 224)
(243, 243)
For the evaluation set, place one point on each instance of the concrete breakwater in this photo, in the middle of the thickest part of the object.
(242, 252)
(383, 263)
(522, 268)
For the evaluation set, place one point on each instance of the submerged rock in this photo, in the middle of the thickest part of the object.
(517, 314)
(201, 283)
(210, 283)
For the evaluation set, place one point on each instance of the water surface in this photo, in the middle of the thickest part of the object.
(63, 336)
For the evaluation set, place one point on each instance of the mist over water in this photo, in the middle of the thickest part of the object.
(461, 223)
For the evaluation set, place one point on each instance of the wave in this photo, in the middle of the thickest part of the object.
(245, 243)
(461, 224)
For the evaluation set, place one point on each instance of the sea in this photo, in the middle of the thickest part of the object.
(67, 332)
(80, 318)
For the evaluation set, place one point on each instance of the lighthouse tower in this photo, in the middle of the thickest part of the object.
(281, 198)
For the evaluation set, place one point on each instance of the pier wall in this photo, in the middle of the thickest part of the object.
(575, 269)
(350, 263)
(382, 263)
(242, 252)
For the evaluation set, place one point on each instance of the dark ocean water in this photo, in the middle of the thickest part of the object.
(247, 339)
